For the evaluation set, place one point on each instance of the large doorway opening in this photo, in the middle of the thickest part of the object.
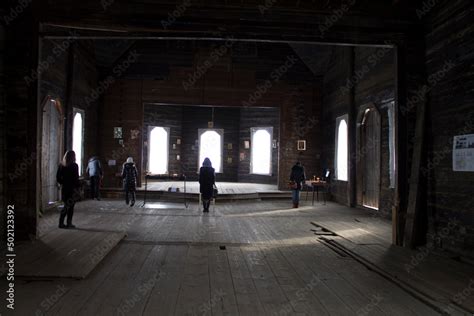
(52, 147)
(369, 138)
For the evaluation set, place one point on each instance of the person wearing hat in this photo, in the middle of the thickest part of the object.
(129, 176)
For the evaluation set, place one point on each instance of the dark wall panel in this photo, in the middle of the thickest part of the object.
(450, 71)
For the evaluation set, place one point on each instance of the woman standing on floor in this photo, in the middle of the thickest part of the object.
(207, 181)
(68, 177)
(297, 177)
(129, 176)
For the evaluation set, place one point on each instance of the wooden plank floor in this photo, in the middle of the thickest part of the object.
(240, 259)
(64, 253)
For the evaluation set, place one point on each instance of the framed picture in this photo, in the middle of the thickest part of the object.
(301, 145)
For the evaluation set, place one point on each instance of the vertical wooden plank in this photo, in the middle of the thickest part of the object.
(411, 238)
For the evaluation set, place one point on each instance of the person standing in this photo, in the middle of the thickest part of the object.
(207, 180)
(95, 174)
(68, 177)
(129, 176)
(297, 177)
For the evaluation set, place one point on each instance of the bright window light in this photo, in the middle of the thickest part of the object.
(158, 156)
(210, 146)
(261, 154)
(341, 149)
(77, 132)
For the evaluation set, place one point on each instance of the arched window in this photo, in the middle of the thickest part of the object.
(210, 146)
(158, 153)
(77, 137)
(342, 148)
(261, 152)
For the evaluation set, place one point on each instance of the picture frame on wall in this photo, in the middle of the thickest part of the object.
(301, 145)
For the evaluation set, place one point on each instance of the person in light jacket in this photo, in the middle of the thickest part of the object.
(298, 176)
(207, 181)
(129, 176)
(95, 173)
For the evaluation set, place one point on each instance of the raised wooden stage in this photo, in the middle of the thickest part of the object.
(159, 190)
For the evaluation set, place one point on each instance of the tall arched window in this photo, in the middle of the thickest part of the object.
(210, 146)
(261, 153)
(158, 152)
(77, 137)
(342, 148)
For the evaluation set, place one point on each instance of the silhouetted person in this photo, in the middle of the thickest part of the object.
(95, 173)
(129, 176)
(207, 181)
(297, 175)
(68, 177)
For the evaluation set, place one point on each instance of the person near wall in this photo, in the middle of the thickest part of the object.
(68, 177)
(207, 181)
(129, 176)
(94, 169)
(297, 177)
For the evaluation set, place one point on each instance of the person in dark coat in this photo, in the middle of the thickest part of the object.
(94, 169)
(68, 177)
(207, 181)
(129, 176)
(298, 176)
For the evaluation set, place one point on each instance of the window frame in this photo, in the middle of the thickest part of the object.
(79, 160)
(339, 119)
(219, 131)
(253, 130)
(168, 132)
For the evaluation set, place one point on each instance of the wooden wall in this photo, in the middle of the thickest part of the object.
(358, 77)
(21, 111)
(122, 107)
(230, 82)
(450, 202)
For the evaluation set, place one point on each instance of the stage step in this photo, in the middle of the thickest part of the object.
(116, 193)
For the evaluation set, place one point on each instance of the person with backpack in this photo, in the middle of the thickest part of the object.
(94, 169)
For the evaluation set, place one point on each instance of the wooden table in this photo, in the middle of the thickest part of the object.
(315, 185)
